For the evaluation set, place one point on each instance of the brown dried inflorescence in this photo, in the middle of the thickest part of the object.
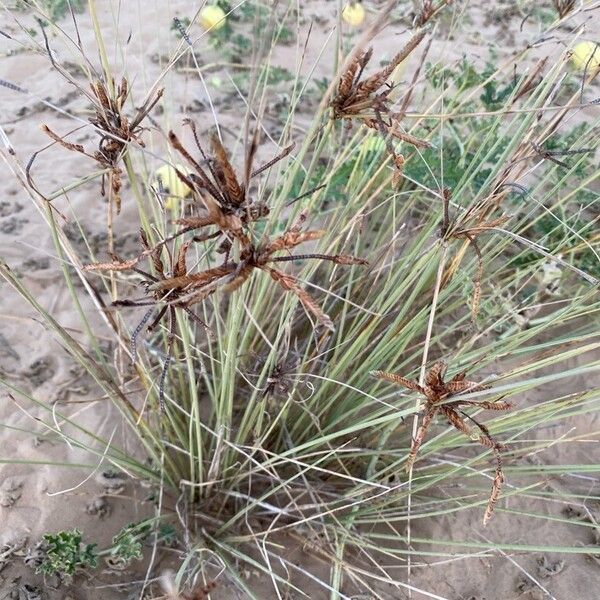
(438, 399)
(163, 299)
(563, 7)
(223, 196)
(181, 289)
(471, 224)
(429, 8)
(115, 129)
(362, 98)
(366, 99)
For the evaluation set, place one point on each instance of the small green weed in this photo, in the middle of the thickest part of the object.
(465, 76)
(127, 545)
(55, 9)
(64, 552)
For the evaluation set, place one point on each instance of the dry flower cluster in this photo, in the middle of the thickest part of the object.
(440, 398)
(223, 202)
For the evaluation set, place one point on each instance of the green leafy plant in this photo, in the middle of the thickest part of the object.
(64, 552)
(127, 544)
(55, 9)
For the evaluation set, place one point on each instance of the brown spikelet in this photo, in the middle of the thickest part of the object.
(488, 442)
(420, 436)
(563, 7)
(347, 78)
(456, 421)
(174, 283)
(399, 162)
(414, 41)
(436, 373)
(180, 266)
(293, 238)
(463, 385)
(495, 494)
(115, 185)
(476, 299)
(374, 82)
(195, 222)
(192, 280)
(61, 141)
(460, 376)
(123, 93)
(144, 240)
(364, 60)
(409, 139)
(225, 170)
(534, 79)
(238, 280)
(123, 265)
(394, 378)
(289, 283)
(495, 405)
(174, 141)
(115, 265)
(190, 298)
(153, 252)
(100, 92)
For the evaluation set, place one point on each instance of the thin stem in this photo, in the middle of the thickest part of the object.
(415, 425)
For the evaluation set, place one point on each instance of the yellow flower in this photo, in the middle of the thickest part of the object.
(584, 52)
(353, 13)
(212, 17)
(165, 178)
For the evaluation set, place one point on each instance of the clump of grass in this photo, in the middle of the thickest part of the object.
(182, 289)
(272, 425)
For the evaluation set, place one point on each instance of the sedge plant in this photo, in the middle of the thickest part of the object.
(255, 412)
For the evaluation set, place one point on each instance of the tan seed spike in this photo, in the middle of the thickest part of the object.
(394, 378)
(226, 170)
(374, 82)
(496, 488)
(289, 283)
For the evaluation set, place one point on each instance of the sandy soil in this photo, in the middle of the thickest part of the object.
(39, 498)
